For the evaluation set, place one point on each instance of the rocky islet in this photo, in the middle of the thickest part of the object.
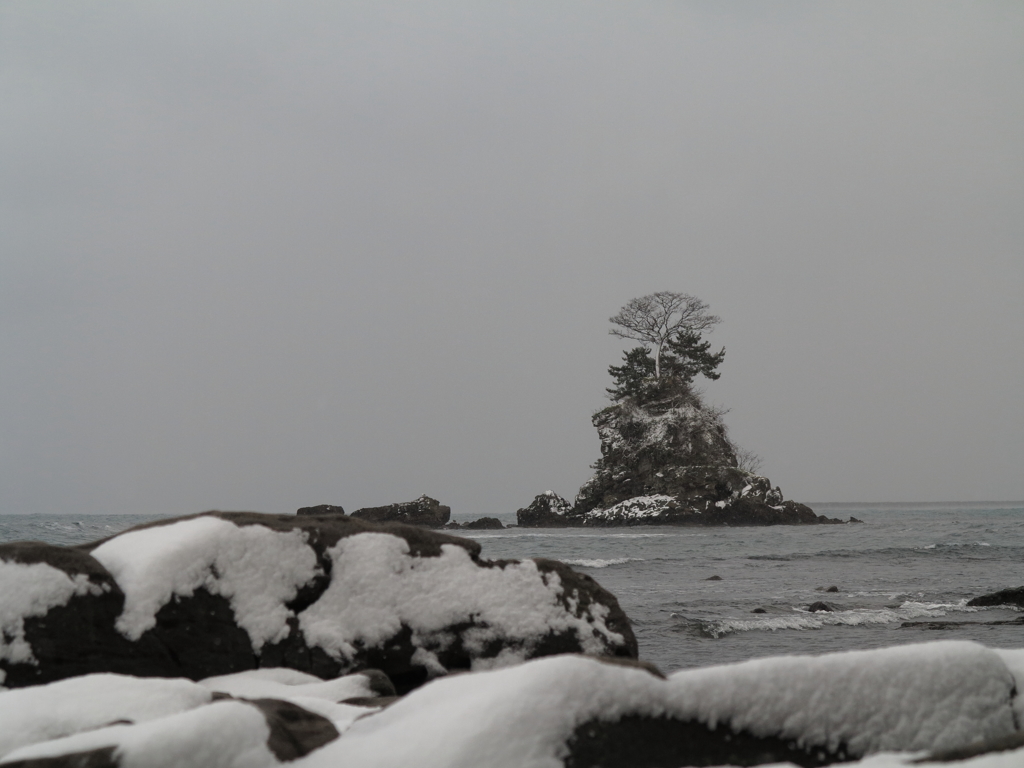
(667, 461)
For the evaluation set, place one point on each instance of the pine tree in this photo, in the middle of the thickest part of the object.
(630, 378)
(687, 357)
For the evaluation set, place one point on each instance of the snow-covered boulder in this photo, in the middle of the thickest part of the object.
(125, 720)
(46, 712)
(423, 511)
(220, 593)
(954, 702)
(547, 510)
(228, 733)
(58, 608)
(582, 713)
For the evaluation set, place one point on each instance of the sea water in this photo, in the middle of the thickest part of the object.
(903, 576)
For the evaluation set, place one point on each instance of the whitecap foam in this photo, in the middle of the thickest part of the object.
(802, 619)
(593, 563)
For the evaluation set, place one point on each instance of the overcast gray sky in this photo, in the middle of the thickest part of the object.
(259, 255)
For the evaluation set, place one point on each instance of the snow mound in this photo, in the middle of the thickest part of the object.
(519, 717)
(279, 683)
(45, 712)
(884, 707)
(1014, 660)
(377, 588)
(322, 697)
(913, 697)
(905, 699)
(225, 734)
(257, 569)
(32, 590)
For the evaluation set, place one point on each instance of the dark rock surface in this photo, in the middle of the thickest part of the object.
(961, 624)
(637, 741)
(424, 511)
(197, 635)
(294, 731)
(1013, 596)
(820, 607)
(79, 637)
(321, 509)
(380, 684)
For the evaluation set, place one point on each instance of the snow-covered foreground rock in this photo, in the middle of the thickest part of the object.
(806, 710)
(950, 701)
(112, 720)
(220, 593)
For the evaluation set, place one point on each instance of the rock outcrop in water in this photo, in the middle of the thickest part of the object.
(225, 592)
(1013, 596)
(424, 511)
(667, 461)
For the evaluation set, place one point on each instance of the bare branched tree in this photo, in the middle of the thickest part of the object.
(747, 460)
(656, 318)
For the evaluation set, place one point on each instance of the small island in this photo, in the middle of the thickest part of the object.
(666, 456)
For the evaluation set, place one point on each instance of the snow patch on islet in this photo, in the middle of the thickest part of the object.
(635, 508)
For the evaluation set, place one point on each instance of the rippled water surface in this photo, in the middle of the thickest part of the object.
(903, 576)
(906, 564)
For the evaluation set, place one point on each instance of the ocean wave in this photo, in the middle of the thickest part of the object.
(952, 549)
(802, 619)
(589, 563)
